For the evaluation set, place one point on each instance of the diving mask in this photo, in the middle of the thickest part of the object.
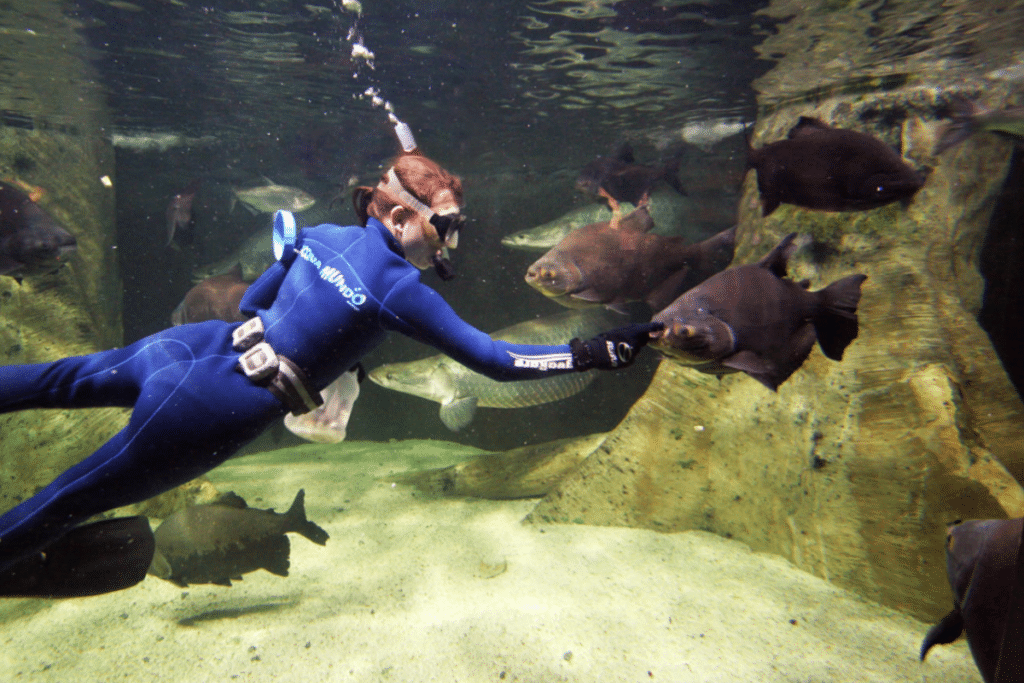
(447, 225)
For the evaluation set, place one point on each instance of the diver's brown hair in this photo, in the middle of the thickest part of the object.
(423, 178)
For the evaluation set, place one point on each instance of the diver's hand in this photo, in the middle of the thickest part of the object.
(613, 349)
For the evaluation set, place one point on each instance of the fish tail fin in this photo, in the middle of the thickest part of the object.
(298, 523)
(91, 559)
(671, 172)
(836, 325)
(962, 125)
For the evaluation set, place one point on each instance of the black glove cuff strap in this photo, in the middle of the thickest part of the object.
(581, 359)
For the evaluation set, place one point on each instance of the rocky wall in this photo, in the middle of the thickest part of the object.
(851, 470)
(52, 137)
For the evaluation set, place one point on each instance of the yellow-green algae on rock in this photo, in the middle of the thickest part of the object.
(853, 469)
(77, 310)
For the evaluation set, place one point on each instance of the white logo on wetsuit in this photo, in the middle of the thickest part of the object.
(353, 297)
(554, 361)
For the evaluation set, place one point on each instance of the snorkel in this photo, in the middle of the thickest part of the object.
(447, 226)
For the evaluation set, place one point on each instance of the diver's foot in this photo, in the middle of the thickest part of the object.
(91, 559)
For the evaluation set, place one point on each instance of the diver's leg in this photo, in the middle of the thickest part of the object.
(188, 419)
(105, 378)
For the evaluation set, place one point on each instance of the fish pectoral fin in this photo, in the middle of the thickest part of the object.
(621, 309)
(223, 582)
(160, 567)
(746, 361)
(589, 295)
(459, 412)
(755, 366)
(777, 259)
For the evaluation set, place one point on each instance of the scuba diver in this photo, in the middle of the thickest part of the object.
(202, 391)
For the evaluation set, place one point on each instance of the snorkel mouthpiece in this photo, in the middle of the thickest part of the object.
(443, 267)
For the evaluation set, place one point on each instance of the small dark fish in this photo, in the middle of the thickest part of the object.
(31, 242)
(969, 117)
(753, 319)
(830, 169)
(614, 262)
(181, 220)
(981, 565)
(214, 298)
(219, 542)
(618, 178)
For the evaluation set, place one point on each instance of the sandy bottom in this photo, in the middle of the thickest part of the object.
(416, 589)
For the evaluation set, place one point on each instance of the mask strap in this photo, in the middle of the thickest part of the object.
(395, 188)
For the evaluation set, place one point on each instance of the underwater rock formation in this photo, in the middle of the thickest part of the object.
(77, 309)
(526, 472)
(853, 469)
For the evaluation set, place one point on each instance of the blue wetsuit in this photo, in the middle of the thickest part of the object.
(324, 307)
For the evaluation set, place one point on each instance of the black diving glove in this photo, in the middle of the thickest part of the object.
(613, 349)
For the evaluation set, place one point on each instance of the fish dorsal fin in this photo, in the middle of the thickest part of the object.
(231, 500)
(637, 221)
(270, 183)
(624, 153)
(805, 125)
(776, 259)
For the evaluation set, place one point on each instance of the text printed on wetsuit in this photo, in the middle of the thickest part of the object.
(353, 297)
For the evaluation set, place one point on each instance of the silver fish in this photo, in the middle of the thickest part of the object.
(667, 208)
(459, 390)
(271, 197)
(327, 424)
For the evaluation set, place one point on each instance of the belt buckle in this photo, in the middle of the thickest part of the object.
(246, 335)
(259, 362)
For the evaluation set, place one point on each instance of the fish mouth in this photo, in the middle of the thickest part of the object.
(554, 281)
(682, 342)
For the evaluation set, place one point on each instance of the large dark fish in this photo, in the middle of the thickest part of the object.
(830, 169)
(981, 565)
(31, 242)
(215, 298)
(618, 178)
(219, 542)
(753, 319)
(91, 559)
(618, 261)
(969, 117)
(181, 220)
